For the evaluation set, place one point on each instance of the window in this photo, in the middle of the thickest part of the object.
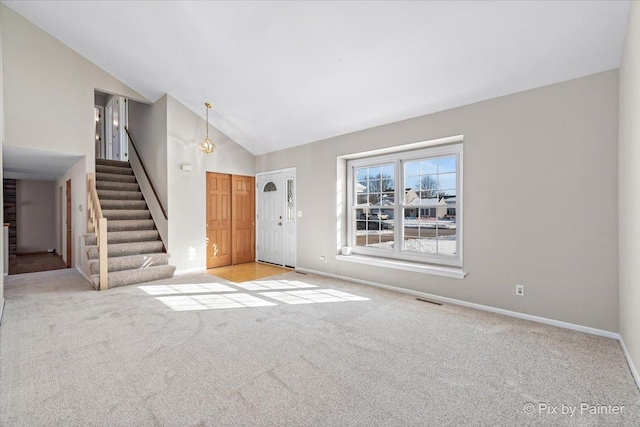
(408, 205)
(269, 186)
(289, 199)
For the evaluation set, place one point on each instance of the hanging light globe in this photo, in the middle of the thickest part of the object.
(207, 146)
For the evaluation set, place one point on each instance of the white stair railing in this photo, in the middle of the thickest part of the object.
(98, 225)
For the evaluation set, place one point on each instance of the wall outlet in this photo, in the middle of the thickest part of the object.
(520, 290)
(323, 258)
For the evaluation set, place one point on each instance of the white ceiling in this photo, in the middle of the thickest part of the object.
(281, 74)
(23, 163)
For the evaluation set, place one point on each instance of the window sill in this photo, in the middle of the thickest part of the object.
(436, 270)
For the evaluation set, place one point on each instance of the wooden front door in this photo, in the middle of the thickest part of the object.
(218, 220)
(243, 212)
(68, 224)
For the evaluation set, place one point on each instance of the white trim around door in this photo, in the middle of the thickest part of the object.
(276, 217)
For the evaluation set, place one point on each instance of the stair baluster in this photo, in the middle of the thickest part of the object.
(98, 224)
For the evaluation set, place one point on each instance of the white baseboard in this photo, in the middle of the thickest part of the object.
(84, 274)
(538, 319)
(552, 322)
(634, 372)
(1, 309)
(190, 271)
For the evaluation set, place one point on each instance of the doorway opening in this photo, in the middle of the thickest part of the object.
(38, 209)
(276, 217)
(30, 219)
(111, 115)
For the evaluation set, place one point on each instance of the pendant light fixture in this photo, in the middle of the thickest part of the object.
(207, 146)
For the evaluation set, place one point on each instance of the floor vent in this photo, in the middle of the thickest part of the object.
(429, 301)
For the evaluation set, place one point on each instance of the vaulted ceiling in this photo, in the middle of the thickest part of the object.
(281, 74)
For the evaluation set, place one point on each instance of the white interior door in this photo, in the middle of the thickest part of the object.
(99, 118)
(115, 132)
(270, 218)
(124, 121)
(108, 120)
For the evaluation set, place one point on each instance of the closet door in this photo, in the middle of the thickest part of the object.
(218, 220)
(243, 213)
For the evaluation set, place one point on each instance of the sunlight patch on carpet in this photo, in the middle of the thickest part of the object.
(212, 302)
(199, 288)
(313, 296)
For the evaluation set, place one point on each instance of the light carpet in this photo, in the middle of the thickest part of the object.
(317, 352)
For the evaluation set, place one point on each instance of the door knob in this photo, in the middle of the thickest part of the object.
(280, 223)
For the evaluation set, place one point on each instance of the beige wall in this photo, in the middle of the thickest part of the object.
(187, 198)
(556, 144)
(148, 125)
(629, 185)
(36, 227)
(49, 90)
(49, 98)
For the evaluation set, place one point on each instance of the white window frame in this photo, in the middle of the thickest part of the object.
(399, 158)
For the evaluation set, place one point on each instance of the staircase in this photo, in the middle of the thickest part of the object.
(135, 252)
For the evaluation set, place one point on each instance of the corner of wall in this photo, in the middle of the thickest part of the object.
(628, 190)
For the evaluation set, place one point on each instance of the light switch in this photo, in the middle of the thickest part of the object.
(299, 214)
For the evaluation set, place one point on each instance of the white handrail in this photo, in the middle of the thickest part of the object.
(98, 224)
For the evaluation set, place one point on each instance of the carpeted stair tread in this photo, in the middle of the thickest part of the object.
(132, 277)
(106, 162)
(114, 170)
(120, 214)
(114, 177)
(119, 195)
(123, 204)
(131, 262)
(130, 225)
(124, 236)
(126, 249)
(117, 186)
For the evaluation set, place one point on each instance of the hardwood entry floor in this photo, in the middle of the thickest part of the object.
(246, 272)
